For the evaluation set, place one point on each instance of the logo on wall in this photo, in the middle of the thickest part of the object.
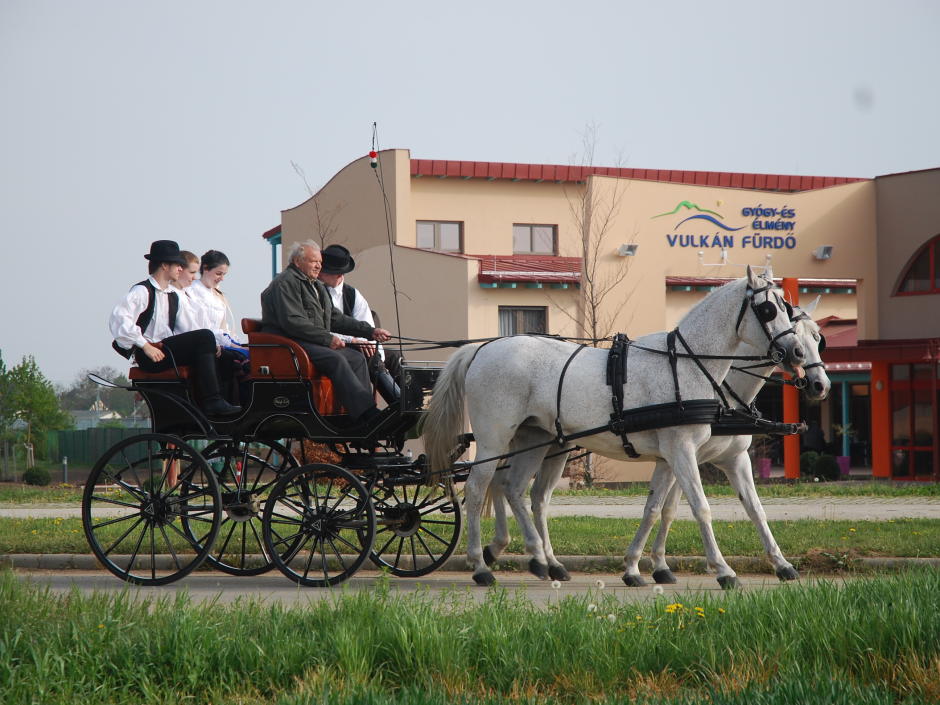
(698, 230)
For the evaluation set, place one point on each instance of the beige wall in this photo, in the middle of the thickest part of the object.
(908, 216)
(440, 297)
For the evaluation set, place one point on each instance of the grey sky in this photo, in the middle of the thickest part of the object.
(125, 122)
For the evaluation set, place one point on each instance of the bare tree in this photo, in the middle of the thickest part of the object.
(594, 211)
(324, 219)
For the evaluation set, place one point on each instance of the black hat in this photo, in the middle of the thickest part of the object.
(165, 251)
(337, 260)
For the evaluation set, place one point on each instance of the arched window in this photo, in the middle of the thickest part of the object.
(922, 275)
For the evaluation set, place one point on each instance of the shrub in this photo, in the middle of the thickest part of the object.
(37, 476)
(807, 460)
(826, 467)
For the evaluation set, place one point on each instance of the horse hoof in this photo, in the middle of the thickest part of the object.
(484, 579)
(633, 580)
(539, 570)
(788, 573)
(664, 577)
(729, 582)
(558, 572)
(488, 556)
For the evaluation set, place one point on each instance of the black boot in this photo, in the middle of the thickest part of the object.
(212, 402)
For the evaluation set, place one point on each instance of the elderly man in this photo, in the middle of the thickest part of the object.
(297, 305)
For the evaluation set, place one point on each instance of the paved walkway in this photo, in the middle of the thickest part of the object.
(723, 508)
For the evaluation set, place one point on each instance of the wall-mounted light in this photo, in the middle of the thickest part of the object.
(627, 250)
(823, 252)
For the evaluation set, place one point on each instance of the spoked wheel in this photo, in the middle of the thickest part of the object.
(247, 472)
(318, 525)
(418, 527)
(138, 498)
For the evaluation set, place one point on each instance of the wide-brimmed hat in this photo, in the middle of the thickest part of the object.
(165, 251)
(337, 260)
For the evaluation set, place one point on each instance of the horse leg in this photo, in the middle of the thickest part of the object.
(523, 467)
(541, 494)
(660, 483)
(682, 458)
(474, 494)
(740, 474)
(495, 548)
(661, 572)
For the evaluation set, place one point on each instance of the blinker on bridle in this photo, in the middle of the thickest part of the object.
(765, 313)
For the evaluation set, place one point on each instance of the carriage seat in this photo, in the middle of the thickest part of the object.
(137, 374)
(271, 359)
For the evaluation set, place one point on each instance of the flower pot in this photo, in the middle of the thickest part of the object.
(763, 468)
(844, 462)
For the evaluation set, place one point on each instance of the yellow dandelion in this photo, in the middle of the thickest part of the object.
(852, 530)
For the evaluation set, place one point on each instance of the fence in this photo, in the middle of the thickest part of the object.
(86, 446)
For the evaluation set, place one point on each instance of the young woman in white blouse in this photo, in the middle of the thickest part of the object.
(216, 313)
(213, 312)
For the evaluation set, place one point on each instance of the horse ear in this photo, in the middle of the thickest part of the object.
(809, 308)
(752, 280)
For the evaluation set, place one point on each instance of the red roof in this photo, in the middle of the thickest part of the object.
(272, 232)
(565, 174)
(528, 268)
(719, 281)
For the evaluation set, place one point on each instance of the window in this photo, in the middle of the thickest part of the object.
(514, 320)
(912, 420)
(530, 239)
(922, 275)
(440, 235)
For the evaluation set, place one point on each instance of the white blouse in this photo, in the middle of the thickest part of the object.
(213, 312)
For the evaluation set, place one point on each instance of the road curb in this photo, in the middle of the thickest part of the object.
(514, 562)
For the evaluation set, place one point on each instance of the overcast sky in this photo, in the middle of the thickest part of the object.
(125, 122)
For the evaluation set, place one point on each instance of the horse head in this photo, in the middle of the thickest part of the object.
(811, 376)
(770, 321)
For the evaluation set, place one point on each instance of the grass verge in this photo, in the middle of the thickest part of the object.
(874, 640)
(594, 536)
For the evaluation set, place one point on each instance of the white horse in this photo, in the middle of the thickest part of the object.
(511, 389)
(727, 452)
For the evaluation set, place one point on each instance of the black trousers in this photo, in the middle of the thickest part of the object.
(195, 348)
(348, 371)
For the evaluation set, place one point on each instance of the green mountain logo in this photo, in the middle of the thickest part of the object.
(687, 205)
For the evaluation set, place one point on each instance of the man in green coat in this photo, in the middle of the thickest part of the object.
(297, 305)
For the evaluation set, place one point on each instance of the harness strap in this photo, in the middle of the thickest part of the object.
(674, 362)
(698, 363)
(617, 379)
(561, 380)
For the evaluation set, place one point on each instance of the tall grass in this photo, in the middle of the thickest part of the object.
(871, 641)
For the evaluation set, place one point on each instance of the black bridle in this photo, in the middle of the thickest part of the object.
(765, 312)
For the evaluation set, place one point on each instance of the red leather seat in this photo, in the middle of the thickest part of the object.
(138, 374)
(271, 359)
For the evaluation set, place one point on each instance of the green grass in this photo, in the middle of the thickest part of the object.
(872, 641)
(798, 488)
(602, 537)
(26, 494)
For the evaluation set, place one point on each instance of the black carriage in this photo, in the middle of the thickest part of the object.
(248, 493)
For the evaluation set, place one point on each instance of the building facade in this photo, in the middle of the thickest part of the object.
(465, 250)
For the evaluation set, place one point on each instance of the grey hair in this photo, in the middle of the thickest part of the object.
(297, 249)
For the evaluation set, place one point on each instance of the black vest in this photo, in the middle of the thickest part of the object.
(349, 299)
(143, 320)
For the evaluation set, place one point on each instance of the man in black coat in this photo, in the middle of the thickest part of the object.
(298, 306)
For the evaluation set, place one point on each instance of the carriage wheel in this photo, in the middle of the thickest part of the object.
(247, 472)
(134, 518)
(418, 527)
(318, 525)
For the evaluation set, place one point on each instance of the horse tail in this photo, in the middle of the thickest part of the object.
(444, 419)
